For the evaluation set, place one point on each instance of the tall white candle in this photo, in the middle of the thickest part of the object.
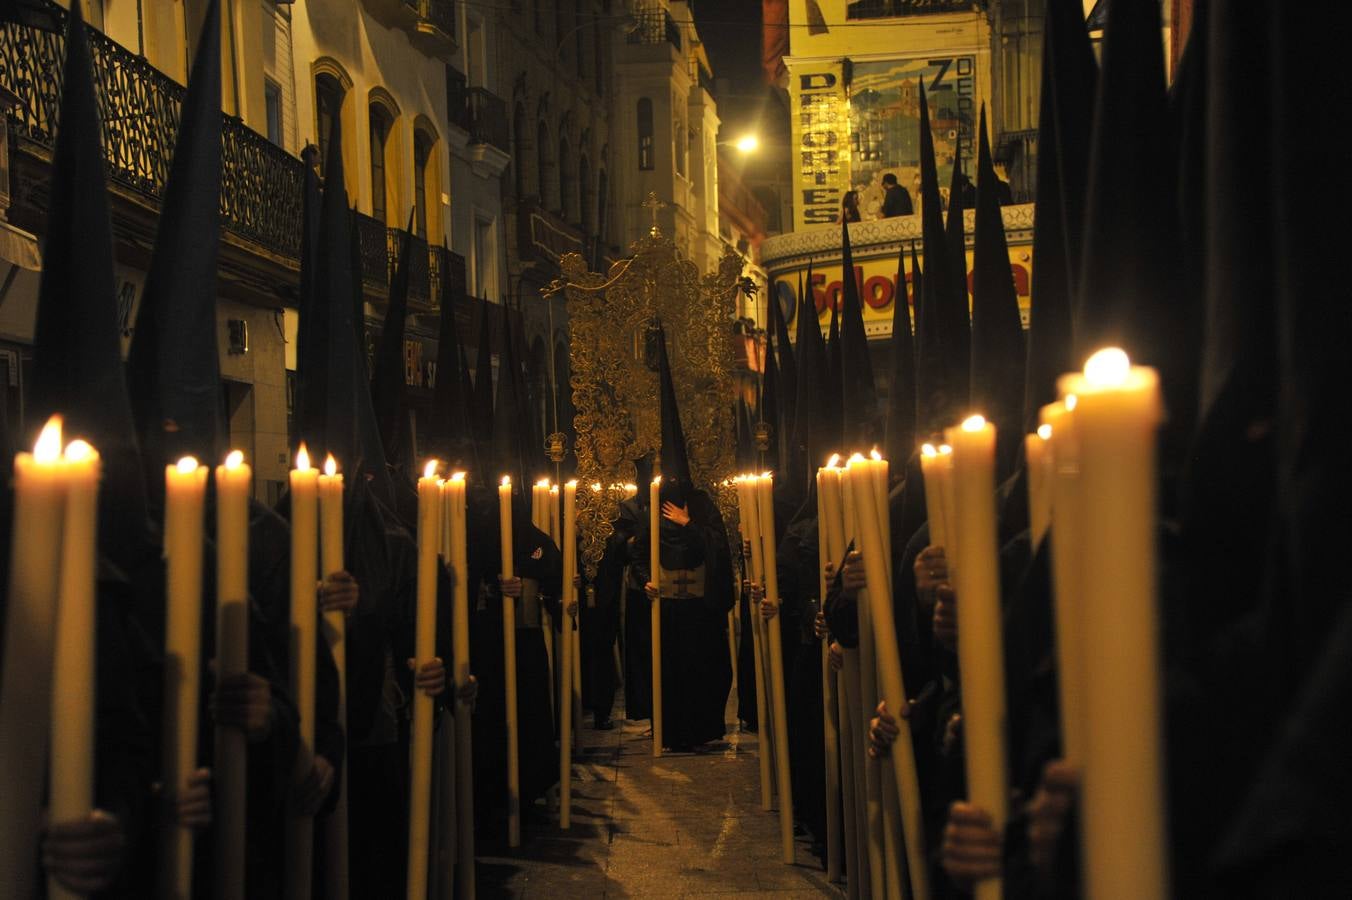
(1064, 475)
(569, 549)
(454, 490)
(25, 688)
(1037, 457)
(509, 666)
(230, 769)
(71, 775)
(764, 486)
(655, 576)
(749, 515)
(424, 650)
(830, 714)
(980, 647)
(1116, 416)
(304, 636)
(335, 636)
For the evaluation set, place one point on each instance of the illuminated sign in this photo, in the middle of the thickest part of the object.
(821, 171)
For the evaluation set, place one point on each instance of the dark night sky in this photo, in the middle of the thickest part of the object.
(731, 33)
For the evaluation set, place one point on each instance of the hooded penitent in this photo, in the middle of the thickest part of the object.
(481, 408)
(509, 423)
(859, 397)
(77, 364)
(900, 439)
(812, 440)
(1065, 118)
(788, 368)
(387, 380)
(998, 350)
(955, 241)
(677, 482)
(771, 409)
(943, 335)
(451, 432)
(173, 371)
(834, 411)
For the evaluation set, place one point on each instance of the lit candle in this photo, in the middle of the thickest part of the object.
(936, 467)
(26, 685)
(566, 670)
(185, 487)
(1117, 413)
(509, 666)
(555, 534)
(655, 576)
(1063, 475)
(71, 777)
(230, 769)
(424, 651)
(865, 478)
(765, 497)
(1037, 453)
(539, 516)
(749, 515)
(830, 710)
(980, 651)
(335, 636)
(304, 635)
(454, 491)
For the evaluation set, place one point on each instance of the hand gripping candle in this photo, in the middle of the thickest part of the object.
(1117, 413)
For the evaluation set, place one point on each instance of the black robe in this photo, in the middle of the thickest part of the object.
(696, 671)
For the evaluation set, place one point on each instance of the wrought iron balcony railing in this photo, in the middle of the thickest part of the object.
(440, 14)
(655, 26)
(140, 108)
(488, 118)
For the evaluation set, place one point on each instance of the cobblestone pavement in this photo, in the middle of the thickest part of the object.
(685, 825)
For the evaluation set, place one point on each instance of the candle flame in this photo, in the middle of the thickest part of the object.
(833, 461)
(657, 480)
(542, 483)
(630, 486)
(48, 447)
(1044, 431)
(855, 458)
(928, 450)
(572, 483)
(1108, 367)
(187, 465)
(506, 481)
(554, 488)
(79, 451)
(875, 454)
(765, 475)
(457, 476)
(234, 459)
(945, 450)
(1071, 401)
(973, 423)
(596, 487)
(302, 459)
(330, 466)
(430, 470)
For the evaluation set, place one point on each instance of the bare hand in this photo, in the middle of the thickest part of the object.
(339, 593)
(84, 855)
(651, 590)
(971, 850)
(883, 730)
(678, 514)
(194, 801)
(768, 609)
(577, 582)
(952, 730)
(313, 789)
(819, 627)
(853, 580)
(430, 677)
(468, 692)
(510, 587)
(836, 657)
(946, 618)
(1047, 813)
(571, 608)
(244, 701)
(931, 570)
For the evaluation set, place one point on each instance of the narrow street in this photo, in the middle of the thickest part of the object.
(686, 825)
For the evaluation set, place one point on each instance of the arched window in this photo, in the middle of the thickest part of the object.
(422, 161)
(520, 145)
(584, 195)
(645, 134)
(328, 107)
(543, 165)
(381, 122)
(566, 192)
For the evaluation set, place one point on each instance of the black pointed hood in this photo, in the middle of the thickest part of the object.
(371, 460)
(482, 400)
(677, 482)
(835, 414)
(450, 400)
(812, 438)
(917, 283)
(788, 366)
(955, 240)
(1128, 292)
(771, 408)
(746, 442)
(1065, 118)
(387, 379)
(900, 440)
(173, 369)
(509, 422)
(943, 336)
(998, 350)
(859, 397)
(327, 378)
(77, 363)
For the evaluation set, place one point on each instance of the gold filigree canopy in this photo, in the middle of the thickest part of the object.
(615, 391)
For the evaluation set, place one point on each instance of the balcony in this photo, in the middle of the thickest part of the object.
(432, 269)
(655, 26)
(260, 183)
(487, 118)
(543, 235)
(430, 23)
(457, 98)
(886, 9)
